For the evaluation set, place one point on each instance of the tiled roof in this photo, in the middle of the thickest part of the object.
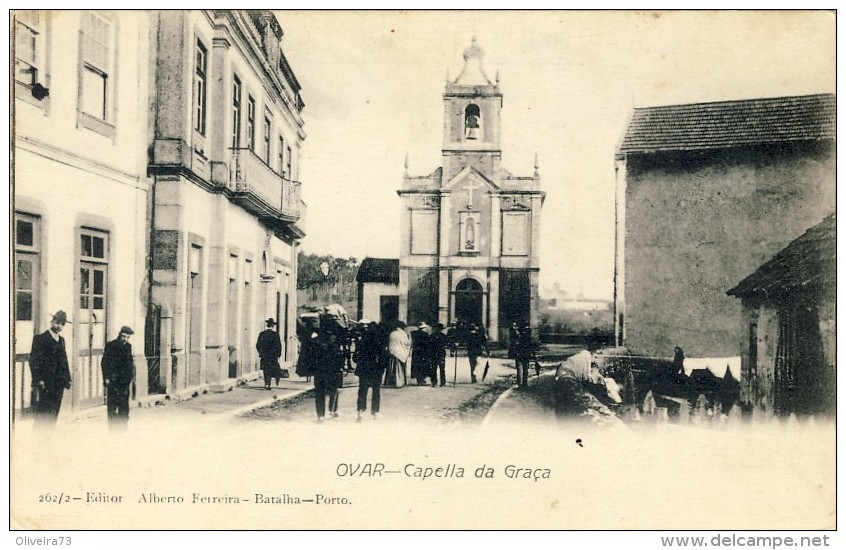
(730, 124)
(378, 270)
(808, 263)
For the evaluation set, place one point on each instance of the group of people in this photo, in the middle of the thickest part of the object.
(426, 351)
(383, 354)
(322, 359)
(48, 363)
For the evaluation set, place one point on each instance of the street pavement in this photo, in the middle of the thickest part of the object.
(457, 401)
(251, 400)
(292, 401)
(520, 405)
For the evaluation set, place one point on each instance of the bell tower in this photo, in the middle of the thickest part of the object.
(472, 107)
(469, 232)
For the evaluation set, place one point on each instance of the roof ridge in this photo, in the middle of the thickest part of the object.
(727, 101)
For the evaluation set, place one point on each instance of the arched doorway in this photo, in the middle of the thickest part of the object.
(468, 301)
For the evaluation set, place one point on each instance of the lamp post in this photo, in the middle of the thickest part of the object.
(324, 269)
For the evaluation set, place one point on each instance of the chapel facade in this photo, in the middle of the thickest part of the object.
(469, 249)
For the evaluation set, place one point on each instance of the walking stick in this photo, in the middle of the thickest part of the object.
(455, 369)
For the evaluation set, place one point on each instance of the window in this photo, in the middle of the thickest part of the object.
(248, 271)
(281, 156)
(232, 267)
(236, 113)
(195, 259)
(288, 171)
(232, 315)
(424, 231)
(515, 233)
(251, 123)
(27, 256)
(27, 37)
(93, 268)
(94, 92)
(472, 122)
(247, 340)
(96, 65)
(200, 89)
(753, 349)
(267, 125)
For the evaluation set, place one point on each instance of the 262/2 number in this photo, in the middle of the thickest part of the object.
(53, 497)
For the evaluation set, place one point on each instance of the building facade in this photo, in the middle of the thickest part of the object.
(156, 185)
(788, 364)
(469, 248)
(80, 116)
(378, 289)
(705, 194)
(227, 214)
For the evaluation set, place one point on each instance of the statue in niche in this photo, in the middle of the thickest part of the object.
(470, 235)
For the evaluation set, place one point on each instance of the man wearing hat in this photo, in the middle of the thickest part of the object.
(420, 354)
(476, 342)
(437, 345)
(369, 360)
(118, 374)
(523, 354)
(48, 363)
(269, 348)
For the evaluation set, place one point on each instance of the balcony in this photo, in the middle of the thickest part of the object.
(260, 190)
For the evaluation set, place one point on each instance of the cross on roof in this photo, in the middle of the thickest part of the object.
(471, 186)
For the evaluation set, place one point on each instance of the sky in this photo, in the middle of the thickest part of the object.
(372, 82)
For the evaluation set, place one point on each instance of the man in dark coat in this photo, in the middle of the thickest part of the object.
(328, 368)
(524, 350)
(370, 361)
(118, 373)
(48, 363)
(437, 344)
(476, 343)
(269, 348)
(420, 354)
(513, 335)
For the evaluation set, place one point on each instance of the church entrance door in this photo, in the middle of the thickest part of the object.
(468, 301)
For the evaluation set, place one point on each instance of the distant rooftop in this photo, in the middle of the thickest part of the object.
(730, 124)
(378, 270)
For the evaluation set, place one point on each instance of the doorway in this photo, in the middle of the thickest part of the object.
(194, 319)
(468, 301)
(388, 308)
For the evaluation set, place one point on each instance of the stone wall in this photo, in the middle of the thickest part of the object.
(697, 224)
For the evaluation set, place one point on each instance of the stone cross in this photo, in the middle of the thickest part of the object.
(471, 186)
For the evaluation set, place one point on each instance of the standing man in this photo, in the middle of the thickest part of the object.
(420, 356)
(369, 367)
(269, 348)
(118, 374)
(328, 369)
(438, 343)
(476, 342)
(523, 354)
(513, 335)
(48, 363)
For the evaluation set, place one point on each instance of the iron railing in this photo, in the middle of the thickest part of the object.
(267, 192)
